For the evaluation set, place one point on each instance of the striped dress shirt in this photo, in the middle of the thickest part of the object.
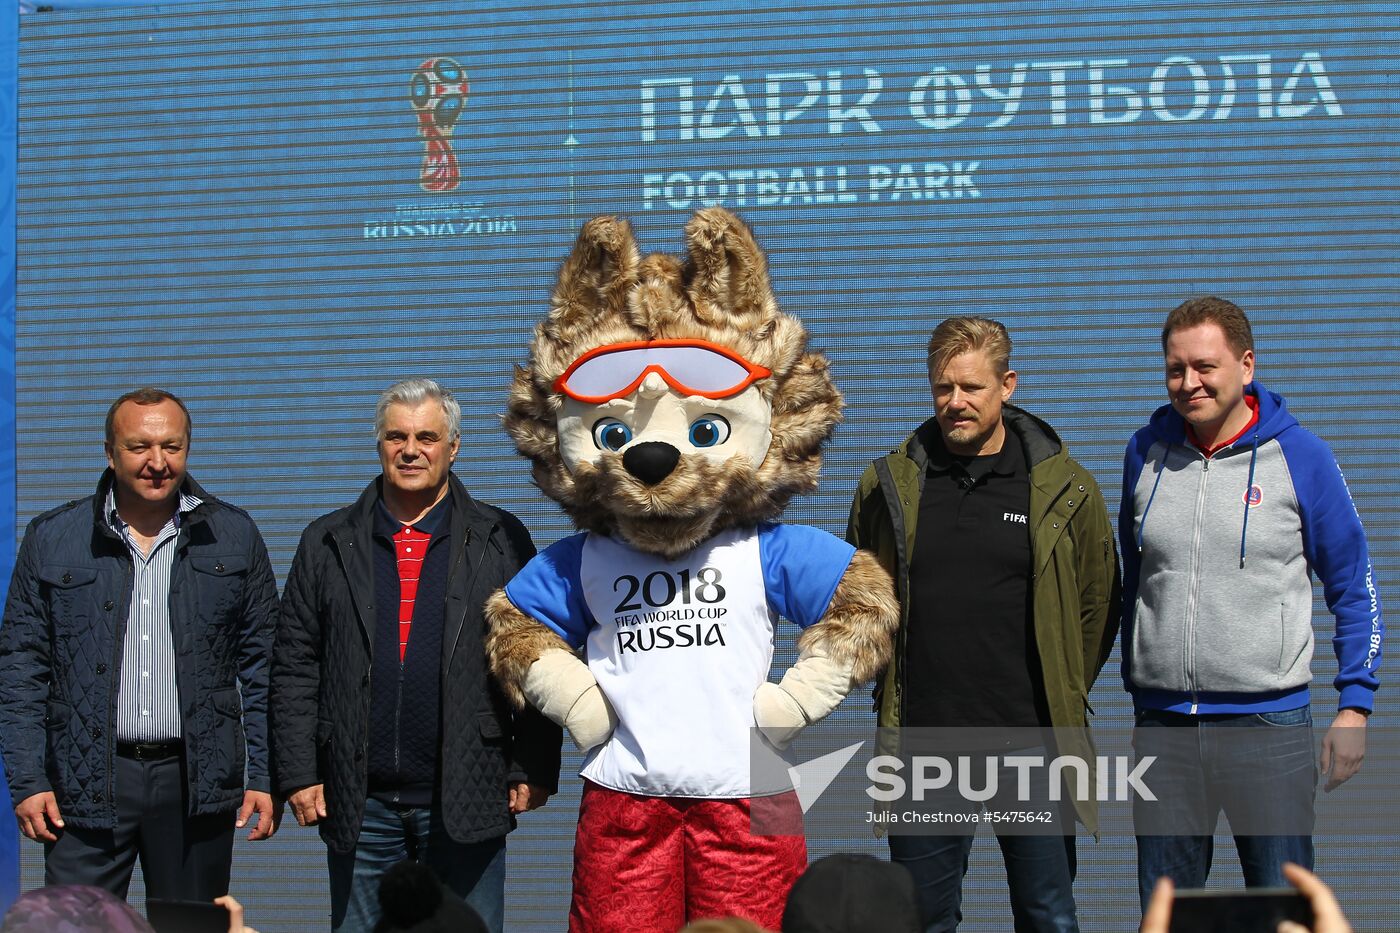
(148, 701)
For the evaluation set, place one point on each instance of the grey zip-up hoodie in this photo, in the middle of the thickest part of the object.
(1217, 554)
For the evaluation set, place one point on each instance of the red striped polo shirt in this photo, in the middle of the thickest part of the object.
(410, 546)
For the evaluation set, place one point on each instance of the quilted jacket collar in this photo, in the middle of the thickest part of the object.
(466, 513)
(189, 487)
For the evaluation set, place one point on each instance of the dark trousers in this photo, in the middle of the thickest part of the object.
(1039, 877)
(1040, 867)
(182, 857)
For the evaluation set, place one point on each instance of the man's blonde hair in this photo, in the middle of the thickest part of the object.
(959, 335)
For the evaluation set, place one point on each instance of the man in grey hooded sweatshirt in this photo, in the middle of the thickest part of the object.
(1228, 506)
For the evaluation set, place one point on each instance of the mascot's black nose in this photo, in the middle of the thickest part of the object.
(651, 462)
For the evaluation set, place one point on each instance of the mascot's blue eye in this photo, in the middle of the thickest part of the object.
(709, 431)
(611, 434)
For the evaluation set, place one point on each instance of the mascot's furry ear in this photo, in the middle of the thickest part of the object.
(727, 274)
(594, 282)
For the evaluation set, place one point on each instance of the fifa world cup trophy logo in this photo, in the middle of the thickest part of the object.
(438, 92)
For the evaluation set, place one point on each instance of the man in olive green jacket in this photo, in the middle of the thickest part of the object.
(1017, 598)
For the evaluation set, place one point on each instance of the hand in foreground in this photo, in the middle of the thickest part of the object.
(525, 797)
(309, 804)
(1327, 913)
(235, 914)
(269, 814)
(36, 813)
(1343, 747)
(1158, 918)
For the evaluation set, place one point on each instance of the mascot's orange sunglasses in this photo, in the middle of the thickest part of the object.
(691, 367)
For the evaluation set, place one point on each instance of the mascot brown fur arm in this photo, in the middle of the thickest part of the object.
(858, 630)
(850, 645)
(515, 641)
(532, 664)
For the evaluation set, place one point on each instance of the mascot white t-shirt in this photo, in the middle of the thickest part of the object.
(696, 630)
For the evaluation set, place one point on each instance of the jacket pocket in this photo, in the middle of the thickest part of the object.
(73, 596)
(1158, 658)
(218, 582)
(1295, 642)
(492, 730)
(64, 577)
(70, 747)
(230, 566)
(226, 751)
(322, 751)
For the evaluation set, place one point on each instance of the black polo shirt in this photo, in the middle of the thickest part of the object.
(970, 655)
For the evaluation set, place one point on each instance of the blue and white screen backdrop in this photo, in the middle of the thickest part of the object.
(251, 205)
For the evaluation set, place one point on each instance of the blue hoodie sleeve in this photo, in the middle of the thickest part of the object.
(1133, 461)
(1334, 544)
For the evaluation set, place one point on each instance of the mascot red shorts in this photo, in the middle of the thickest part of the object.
(654, 864)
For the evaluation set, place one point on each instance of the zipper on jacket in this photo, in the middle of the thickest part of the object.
(897, 515)
(398, 710)
(1189, 645)
(398, 705)
(398, 734)
(476, 568)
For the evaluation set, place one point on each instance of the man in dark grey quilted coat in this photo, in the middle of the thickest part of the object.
(389, 733)
(134, 670)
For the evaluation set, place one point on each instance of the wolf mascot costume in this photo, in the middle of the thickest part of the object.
(673, 411)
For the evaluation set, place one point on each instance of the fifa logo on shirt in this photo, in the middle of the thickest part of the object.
(1016, 517)
(1253, 496)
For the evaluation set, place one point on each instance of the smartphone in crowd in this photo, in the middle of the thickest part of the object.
(1253, 910)
(186, 916)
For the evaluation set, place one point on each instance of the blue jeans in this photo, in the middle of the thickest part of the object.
(476, 872)
(1258, 768)
(1039, 868)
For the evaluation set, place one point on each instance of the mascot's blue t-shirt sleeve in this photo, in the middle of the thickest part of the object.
(548, 589)
(802, 567)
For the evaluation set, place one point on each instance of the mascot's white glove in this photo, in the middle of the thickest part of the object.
(561, 687)
(810, 690)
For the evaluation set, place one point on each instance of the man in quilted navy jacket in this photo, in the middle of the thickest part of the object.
(390, 734)
(134, 670)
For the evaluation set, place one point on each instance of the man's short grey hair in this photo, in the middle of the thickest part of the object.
(414, 392)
